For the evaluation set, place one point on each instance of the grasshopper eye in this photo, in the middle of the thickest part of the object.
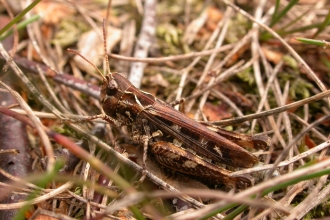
(112, 88)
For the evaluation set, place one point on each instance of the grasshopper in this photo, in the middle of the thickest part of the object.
(176, 141)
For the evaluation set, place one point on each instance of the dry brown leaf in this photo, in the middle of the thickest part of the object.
(308, 2)
(238, 98)
(158, 80)
(324, 123)
(91, 46)
(216, 112)
(53, 12)
(289, 101)
(194, 27)
(29, 213)
(45, 217)
(309, 142)
(272, 55)
(8, 42)
(237, 55)
(214, 16)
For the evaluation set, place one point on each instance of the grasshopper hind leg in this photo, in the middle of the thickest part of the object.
(175, 158)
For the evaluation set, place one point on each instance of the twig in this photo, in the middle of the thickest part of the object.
(314, 198)
(310, 152)
(316, 132)
(274, 110)
(219, 66)
(294, 141)
(41, 198)
(210, 61)
(143, 44)
(186, 70)
(52, 215)
(173, 58)
(273, 182)
(29, 85)
(215, 194)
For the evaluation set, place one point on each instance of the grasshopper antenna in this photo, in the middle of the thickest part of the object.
(105, 49)
(97, 69)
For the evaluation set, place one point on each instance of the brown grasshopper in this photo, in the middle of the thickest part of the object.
(177, 141)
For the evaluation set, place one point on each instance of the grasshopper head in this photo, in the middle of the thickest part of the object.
(110, 95)
(114, 97)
